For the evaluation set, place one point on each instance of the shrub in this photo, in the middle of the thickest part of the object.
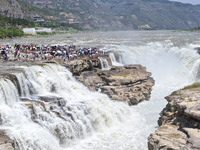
(10, 32)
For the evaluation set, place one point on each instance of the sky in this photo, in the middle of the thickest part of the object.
(188, 1)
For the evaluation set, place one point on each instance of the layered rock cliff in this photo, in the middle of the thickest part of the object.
(179, 122)
(130, 83)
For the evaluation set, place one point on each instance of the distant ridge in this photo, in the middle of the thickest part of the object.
(115, 14)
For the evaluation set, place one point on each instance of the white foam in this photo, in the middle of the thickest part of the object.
(100, 123)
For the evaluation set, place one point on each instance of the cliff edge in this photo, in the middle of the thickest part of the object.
(130, 83)
(179, 122)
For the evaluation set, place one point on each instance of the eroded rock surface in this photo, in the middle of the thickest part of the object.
(179, 122)
(78, 66)
(81, 65)
(131, 83)
(5, 142)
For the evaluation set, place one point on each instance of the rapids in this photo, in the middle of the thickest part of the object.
(83, 120)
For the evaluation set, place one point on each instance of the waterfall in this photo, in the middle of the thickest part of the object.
(114, 61)
(8, 93)
(104, 64)
(91, 64)
(172, 67)
(54, 110)
(163, 59)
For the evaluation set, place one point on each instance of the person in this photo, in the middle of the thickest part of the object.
(5, 56)
(3, 52)
(37, 54)
(26, 56)
(16, 52)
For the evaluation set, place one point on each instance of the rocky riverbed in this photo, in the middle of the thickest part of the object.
(179, 122)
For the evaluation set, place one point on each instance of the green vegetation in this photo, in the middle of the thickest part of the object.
(114, 14)
(43, 33)
(197, 28)
(56, 23)
(10, 27)
(194, 85)
(15, 22)
(61, 26)
(10, 32)
(176, 94)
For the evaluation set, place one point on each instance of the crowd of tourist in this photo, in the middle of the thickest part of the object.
(47, 52)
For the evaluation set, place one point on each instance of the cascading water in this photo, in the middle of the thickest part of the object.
(7, 97)
(172, 67)
(104, 64)
(114, 61)
(56, 106)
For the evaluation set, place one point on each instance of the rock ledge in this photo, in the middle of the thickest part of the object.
(179, 122)
(130, 83)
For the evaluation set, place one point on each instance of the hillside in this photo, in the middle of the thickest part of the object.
(116, 14)
(11, 8)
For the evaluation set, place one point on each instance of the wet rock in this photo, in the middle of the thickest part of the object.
(197, 49)
(96, 63)
(131, 83)
(84, 64)
(91, 80)
(78, 66)
(5, 142)
(14, 80)
(167, 137)
(182, 111)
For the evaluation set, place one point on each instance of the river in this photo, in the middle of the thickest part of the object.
(96, 121)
